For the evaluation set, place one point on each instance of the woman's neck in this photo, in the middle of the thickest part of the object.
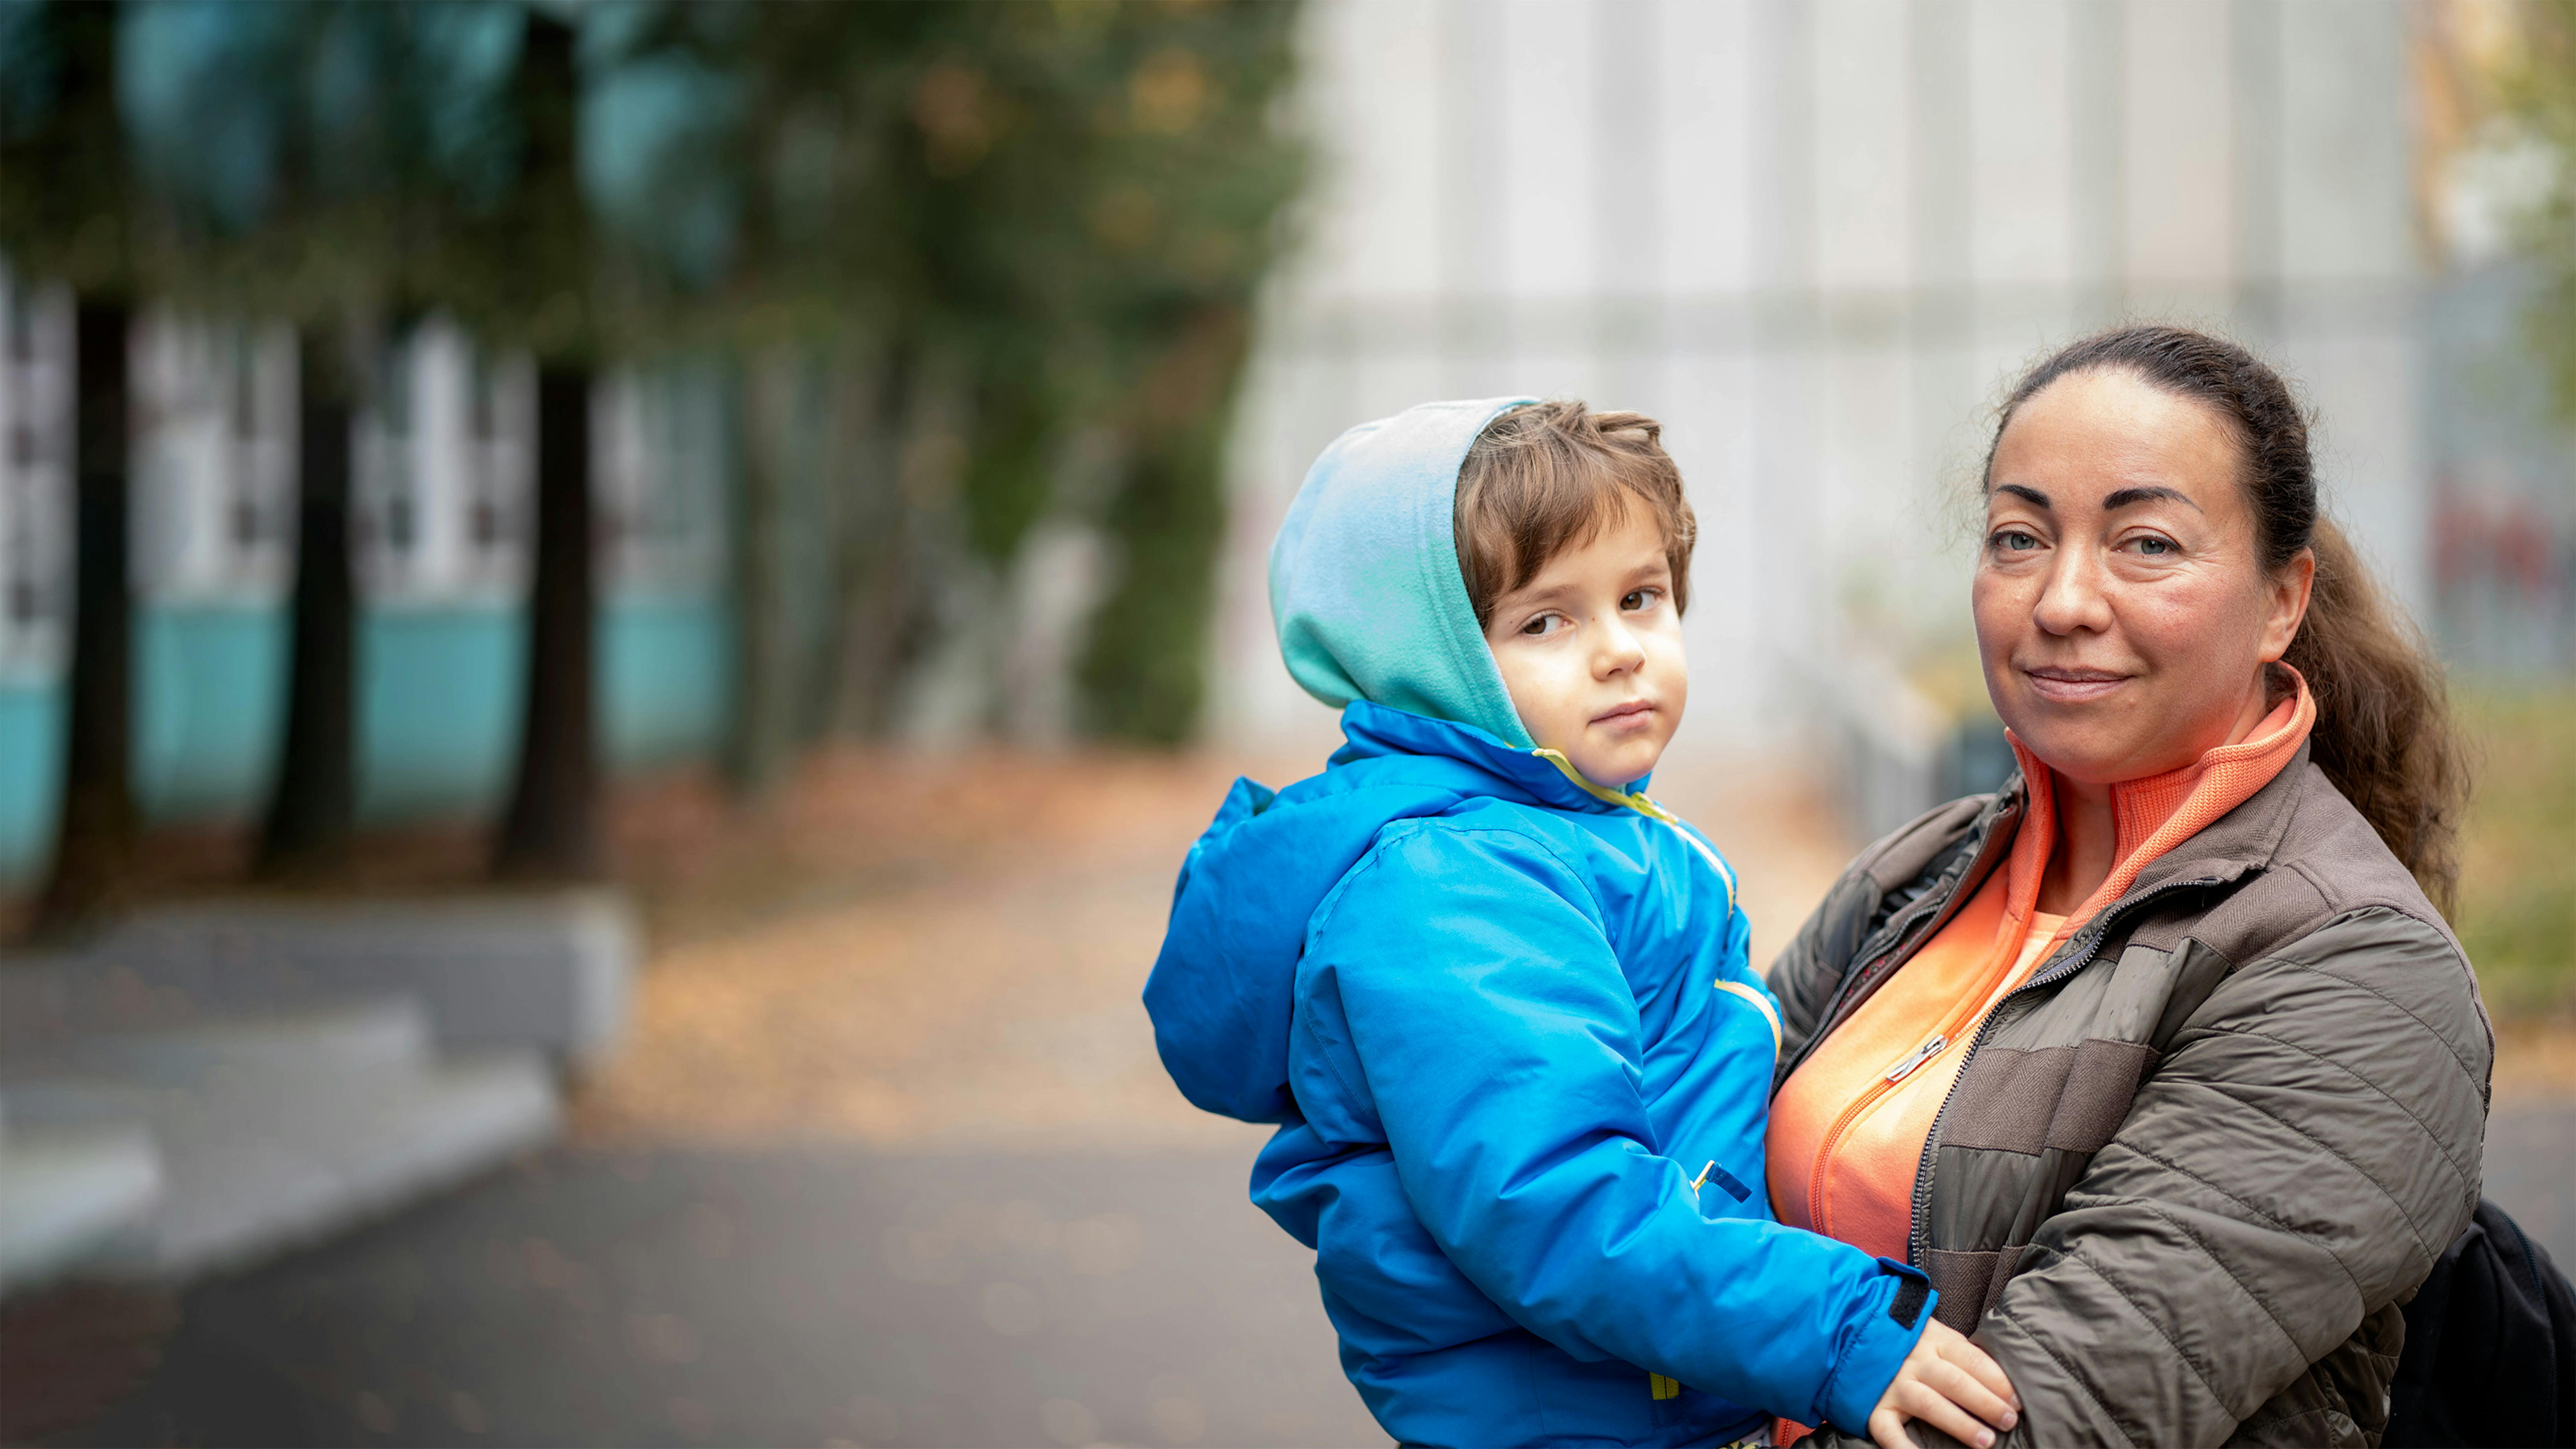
(2088, 839)
(2088, 824)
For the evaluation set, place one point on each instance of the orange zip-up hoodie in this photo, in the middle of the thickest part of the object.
(1849, 1126)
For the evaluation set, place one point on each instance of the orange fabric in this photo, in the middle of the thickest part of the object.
(1848, 1128)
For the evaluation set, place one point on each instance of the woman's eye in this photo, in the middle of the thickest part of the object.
(2151, 546)
(2013, 540)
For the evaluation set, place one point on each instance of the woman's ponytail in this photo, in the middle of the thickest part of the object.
(2383, 733)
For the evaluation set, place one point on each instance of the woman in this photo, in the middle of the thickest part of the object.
(2158, 1060)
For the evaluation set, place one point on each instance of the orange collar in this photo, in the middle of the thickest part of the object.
(2158, 812)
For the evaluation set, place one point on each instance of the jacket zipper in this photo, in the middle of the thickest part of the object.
(1916, 1246)
(1936, 906)
(1639, 801)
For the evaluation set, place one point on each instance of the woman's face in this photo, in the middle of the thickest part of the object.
(2123, 613)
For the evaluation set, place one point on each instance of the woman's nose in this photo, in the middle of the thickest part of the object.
(2073, 597)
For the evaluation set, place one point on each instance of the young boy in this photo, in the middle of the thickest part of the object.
(1497, 999)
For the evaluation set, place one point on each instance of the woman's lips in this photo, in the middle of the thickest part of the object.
(2072, 686)
(1627, 716)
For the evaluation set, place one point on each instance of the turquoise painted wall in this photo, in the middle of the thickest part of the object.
(439, 701)
(211, 701)
(665, 679)
(31, 774)
(439, 692)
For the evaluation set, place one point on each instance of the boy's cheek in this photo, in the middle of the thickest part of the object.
(1675, 684)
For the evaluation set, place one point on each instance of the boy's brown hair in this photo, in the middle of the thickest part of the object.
(1547, 477)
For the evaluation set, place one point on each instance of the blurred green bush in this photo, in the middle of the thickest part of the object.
(2517, 906)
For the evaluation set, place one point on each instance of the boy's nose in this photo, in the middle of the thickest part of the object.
(1619, 650)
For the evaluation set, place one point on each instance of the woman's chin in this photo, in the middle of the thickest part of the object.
(2078, 754)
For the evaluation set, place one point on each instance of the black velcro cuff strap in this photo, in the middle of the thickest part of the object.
(1913, 1293)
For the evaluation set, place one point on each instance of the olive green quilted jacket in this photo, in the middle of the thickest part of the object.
(2191, 1169)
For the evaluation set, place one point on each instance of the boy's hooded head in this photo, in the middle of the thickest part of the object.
(1542, 479)
(1367, 587)
(1364, 582)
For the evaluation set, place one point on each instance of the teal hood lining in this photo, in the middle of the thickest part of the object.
(1365, 587)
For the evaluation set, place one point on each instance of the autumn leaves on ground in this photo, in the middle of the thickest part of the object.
(943, 952)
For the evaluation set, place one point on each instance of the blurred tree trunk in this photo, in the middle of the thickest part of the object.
(94, 844)
(817, 530)
(904, 533)
(762, 739)
(870, 576)
(313, 812)
(553, 830)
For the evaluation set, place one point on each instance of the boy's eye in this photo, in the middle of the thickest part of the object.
(1640, 599)
(1543, 626)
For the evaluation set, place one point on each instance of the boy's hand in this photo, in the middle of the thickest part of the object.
(1949, 1383)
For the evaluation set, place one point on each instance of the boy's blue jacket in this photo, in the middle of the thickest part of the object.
(1520, 1065)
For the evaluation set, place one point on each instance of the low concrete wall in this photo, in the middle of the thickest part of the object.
(548, 971)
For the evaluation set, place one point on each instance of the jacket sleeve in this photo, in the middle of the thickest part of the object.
(2308, 1146)
(1462, 983)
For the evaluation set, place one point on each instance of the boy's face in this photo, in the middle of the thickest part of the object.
(1591, 650)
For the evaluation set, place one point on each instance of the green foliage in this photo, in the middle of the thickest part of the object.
(2537, 91)
(1143, 672)
(2517, 908)
(1143, 675)
(1079, 199)
(64, 192)
(1047, 221)
(1059, 198)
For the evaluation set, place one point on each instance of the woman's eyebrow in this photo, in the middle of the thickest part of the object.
(2126, 496)
(2019, 491)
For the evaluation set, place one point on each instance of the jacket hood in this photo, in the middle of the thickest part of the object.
(1365, 588)
(1223, 988)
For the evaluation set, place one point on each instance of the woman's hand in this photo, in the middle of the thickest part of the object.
(1949, 1383)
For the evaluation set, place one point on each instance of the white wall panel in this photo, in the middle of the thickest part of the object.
(1817, 240)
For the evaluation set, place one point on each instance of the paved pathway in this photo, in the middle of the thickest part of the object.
(835, 1296)
(895, 1166)
(2531, 1173)
(779, 1298)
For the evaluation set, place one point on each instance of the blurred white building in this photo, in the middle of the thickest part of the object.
(1817, 238)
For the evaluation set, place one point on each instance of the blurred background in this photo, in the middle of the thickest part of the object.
(614, 617)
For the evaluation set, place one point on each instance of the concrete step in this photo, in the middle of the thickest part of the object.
(249, 1177)
(389, 1034)
(130, 1076)
(70, 1196)
(274, 1130)
(505, 970)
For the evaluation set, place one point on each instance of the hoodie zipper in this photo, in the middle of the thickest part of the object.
(1904, 1067)
(2095, 934)
(1917, 1057)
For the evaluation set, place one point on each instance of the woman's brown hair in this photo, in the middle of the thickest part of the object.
(2383, 733)
(1547, 476)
